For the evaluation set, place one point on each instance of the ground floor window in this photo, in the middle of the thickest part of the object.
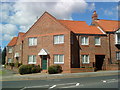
(85, 59)
(32, 59)
(58, 59)
(9, 60)
(118, 55)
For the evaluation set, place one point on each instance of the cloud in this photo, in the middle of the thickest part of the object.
(20, 16)
(8, 31)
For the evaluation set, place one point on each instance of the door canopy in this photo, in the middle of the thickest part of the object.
(43, 52)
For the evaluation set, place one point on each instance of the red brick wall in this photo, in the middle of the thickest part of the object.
(45, 29)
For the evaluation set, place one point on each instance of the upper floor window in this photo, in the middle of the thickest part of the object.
(9, 49)
(97, 40)
(58, 59)
(85, 59)
(58, 39)
(118, 55)
(84, 40)
(32, 59)
(32, 41)
(117, 37)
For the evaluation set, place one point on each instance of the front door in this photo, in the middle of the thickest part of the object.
(99, 61)
(44, 62)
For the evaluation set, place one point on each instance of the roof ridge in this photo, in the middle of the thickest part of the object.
(70, 20)
(108, 20)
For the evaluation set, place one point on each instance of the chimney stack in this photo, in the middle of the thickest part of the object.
(94, 16)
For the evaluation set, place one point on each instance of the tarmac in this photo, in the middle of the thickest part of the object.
(44, 76)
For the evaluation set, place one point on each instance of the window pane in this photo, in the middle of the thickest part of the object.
(83, 58)
(82, 40)
(61, 57)
(86, 40)
(97, 40)
(55, 58)
(30, 41)
(55, 39)
(118, 37)
(9, 60)
(34, 59)
(10, 50)
(61, 39)
(30, 59)
(35, 41)
(118, 55)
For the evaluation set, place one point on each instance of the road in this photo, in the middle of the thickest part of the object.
(67, 83)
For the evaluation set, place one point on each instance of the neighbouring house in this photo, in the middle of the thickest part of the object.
(15, 49)
(71, 44)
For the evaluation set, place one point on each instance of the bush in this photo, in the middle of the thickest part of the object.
(17, 64)
(27, 69)
(54, 69)
(11, 64)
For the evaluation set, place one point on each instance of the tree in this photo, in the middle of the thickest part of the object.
(3, 55)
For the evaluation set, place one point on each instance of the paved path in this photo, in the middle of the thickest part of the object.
(42, 76)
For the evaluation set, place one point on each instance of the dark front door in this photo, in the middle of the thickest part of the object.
(99, 61)
(44, 62)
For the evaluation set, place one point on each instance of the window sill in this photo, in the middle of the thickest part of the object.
(31, 63)
(33, 46)
(58, 62)
(85, 63)
(85, 45)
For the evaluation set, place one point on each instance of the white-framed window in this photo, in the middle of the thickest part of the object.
(32, 41)
(85, 59)
(117, 38)
(118, 55)
(58, 59)
(97, 41)
(58, 39)
(9, 49)
(9, 60)
(32, 59)
(84, 40)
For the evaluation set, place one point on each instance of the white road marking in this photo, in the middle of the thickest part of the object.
(65, 84)
(34, 87)
(52, 86)
(104, 81)
(109, 80)
(77, 84)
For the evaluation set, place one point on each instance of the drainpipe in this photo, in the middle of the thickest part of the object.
(110, 56)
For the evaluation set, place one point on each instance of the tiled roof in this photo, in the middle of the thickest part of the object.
(21, 34)
(12, 42)
(80, 27)
(108, 25)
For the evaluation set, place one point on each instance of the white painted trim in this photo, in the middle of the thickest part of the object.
(101, 30)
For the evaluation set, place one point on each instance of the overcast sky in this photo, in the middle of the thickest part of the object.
(19, 16)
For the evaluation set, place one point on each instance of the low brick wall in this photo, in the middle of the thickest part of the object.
(77, 70)
(113, 67)
(12, 68)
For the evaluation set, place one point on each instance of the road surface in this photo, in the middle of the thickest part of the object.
(110, 82)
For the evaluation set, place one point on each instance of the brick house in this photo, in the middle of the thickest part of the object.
(72, 44)
(15, 49)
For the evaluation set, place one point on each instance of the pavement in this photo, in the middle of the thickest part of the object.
(45, 76)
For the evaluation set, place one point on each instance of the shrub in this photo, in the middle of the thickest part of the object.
(54, 69)
(17, 64)
(36, 69)
(27, 69)
(11, 64)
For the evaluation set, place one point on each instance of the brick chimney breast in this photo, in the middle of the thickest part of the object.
(94, 16)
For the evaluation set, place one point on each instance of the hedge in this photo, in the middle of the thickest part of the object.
(28, 69)
(54, 69)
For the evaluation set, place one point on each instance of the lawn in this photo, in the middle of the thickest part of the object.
(2, 72)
